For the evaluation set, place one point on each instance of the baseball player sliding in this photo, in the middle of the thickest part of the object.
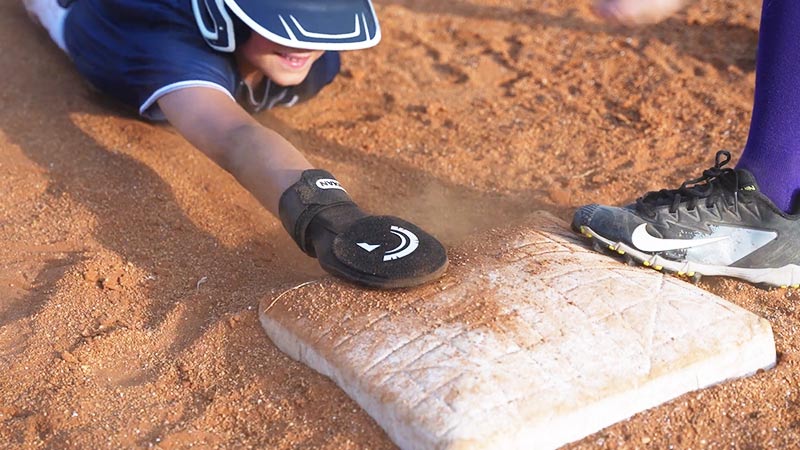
(205, 65)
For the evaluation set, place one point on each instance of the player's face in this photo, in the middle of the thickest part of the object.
(283, 65)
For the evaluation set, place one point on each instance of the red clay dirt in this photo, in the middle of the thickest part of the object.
(131, 267)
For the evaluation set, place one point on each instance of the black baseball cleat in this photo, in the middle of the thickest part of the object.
(717, 225)
(377, 251)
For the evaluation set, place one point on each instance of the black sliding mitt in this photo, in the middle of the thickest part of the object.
(377, 251)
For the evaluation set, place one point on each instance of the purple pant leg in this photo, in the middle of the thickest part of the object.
(772, 153)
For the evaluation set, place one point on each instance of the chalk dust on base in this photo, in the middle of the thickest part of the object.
(531, 341)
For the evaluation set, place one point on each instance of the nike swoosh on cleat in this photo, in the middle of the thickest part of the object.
(646, 242)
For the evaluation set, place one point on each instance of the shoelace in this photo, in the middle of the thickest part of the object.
(708, 186)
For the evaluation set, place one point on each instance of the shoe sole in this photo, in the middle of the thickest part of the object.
(784, 277)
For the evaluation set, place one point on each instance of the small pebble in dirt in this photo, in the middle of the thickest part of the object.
(109, 284)
(68, 357)
(91, 275)
(112, 282)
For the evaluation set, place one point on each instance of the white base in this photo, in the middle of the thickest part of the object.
(538, 344)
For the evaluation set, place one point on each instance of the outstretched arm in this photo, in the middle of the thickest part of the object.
(261, 160)
(378, 251)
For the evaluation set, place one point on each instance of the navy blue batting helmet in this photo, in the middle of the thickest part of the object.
(304, 24)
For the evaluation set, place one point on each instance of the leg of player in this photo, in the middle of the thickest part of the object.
(637, 12)
(772, 153)
(742, 222)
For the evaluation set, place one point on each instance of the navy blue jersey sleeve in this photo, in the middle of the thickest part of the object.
(137, 61)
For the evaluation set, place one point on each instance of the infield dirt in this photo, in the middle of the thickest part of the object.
(131, 267)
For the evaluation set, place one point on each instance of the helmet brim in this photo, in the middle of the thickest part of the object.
(312, 25)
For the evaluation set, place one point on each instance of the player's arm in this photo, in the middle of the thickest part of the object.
(261, 160)
(315, 210)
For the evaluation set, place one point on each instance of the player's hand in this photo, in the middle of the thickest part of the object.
(377, 251)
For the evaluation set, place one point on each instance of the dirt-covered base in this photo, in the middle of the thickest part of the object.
(131, 267)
